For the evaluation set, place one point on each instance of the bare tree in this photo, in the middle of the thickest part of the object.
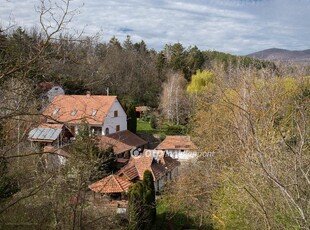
(174, 100)
(258, 128)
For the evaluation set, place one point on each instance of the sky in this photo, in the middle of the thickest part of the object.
(233, 26)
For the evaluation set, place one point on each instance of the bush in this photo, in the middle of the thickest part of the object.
(153, 121)
(176, 130)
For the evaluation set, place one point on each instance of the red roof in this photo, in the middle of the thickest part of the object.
(129, 171)
(134, 170)
(52, 126)
(142, 108)
(158, 165)
(75, 108)
(121, 141)
(111, 184)
(177, 142)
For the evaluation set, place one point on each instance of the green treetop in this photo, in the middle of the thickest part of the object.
(200, 81)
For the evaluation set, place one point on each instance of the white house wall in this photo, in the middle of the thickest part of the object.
(159, 184)
(111, 122)
(181, 155)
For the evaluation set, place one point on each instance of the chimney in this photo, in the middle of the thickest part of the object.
(155, 156)
(88, 94)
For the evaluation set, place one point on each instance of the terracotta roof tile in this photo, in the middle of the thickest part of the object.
(158, 170)
(142, 164)
(111, 184)
(74, 108)
(129, 171)
(177, 142)
(122, 160)
(158, 166)
(170, 163)
(121, 141)
(142, 108)
(52, 126)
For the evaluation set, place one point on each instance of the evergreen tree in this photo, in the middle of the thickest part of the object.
(132, 118)
(136, 206)
(149, 199)
(194, 62)
(142, 204)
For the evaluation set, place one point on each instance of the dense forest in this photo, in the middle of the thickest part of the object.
(252, 115)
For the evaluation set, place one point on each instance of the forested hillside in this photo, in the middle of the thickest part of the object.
(130, 70)
(249, 119)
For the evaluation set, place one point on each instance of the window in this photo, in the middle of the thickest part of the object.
(73, 112)
(96, 130)
(56, 111)
(118, 128)
(107, 131)
(94, 112)
(115, 113)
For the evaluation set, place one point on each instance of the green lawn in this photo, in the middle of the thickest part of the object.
(167, 129)
(145, 127)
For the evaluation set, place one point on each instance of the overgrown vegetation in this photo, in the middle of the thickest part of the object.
(253, 115)
(258, 128)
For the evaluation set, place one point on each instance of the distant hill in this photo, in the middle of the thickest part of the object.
(274, 54)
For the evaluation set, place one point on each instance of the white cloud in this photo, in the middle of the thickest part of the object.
(237, 26)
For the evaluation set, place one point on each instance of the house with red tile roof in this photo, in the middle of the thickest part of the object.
(142, 110)
(178, 147)
(110, 185)
(104, 114)
(162, 167)
(123, 143)
(115, 189)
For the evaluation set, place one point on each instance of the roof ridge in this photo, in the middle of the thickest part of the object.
(116, 181)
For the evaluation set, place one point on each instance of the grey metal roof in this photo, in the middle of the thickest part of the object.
(44, 134)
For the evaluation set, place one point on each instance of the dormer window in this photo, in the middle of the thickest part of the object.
(115, 113)
(73, 113)
(94, 112)
(56, 111)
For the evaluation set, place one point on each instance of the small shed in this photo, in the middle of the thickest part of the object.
(142, 110)
(178, 147)
(50, 134)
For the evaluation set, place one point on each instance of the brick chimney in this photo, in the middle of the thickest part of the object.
(88, 94)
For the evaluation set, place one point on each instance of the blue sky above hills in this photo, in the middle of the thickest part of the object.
(233, 26)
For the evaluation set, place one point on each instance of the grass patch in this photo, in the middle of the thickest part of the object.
(166, 129)
(145, 127)
(161, 216)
